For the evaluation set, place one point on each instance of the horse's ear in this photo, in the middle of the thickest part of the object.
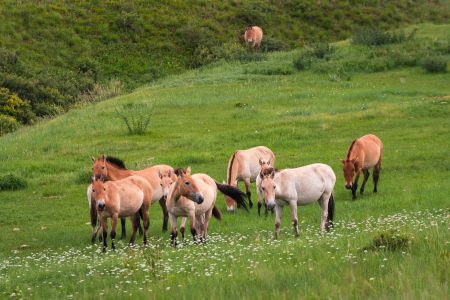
(268, 162)
(178, 172)
(103, 157)
(272, 175)
(170, 173)
(260, 161)
(188, 171)
(93, 159)
(92, 179)
(261, 175)
(160, 175)
(102, 178)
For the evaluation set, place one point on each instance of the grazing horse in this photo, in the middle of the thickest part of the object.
(253, 35)
(299, 186)
(121, 198)
(113, 169)
(245, 165)
(195, 197)
(364, 153)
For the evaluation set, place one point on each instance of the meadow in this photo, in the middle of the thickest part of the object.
(198, 119)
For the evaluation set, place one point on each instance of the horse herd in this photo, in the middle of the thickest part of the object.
(117, 192)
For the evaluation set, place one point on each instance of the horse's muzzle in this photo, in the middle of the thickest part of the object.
(101, 205)
(348, 186)
(199, 199)
(271, 205)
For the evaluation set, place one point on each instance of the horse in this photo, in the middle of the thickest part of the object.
(253, 35)
(121, 198)
(245, 165)
(113, 168)
(263, 166)
(195, 197)
(299, 186)
(364, 153)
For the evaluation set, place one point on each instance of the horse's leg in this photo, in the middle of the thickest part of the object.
(124, 228)
(293, 205)
(193, 225)
(355, 184)
(104, 226)
(258, 194)
(207, 218)
(135, 223)
(183, 227)
(162, 203)
(114, 220)
(278, 214)
(173, 233)
(139, 218)
(146, 218)
(323, 202)
(249, 193)
(366, 176)
(376, 176)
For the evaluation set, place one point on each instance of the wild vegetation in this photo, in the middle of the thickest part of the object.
(199, 118)
(56, 53)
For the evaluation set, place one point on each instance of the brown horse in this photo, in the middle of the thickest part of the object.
(121, 198)
(195, 197)
(114, 169)
(364, 153)
(253, 35)
(245, 165)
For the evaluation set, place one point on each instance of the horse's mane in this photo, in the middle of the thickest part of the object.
(268, 171)
(350, 149)
(116, 162)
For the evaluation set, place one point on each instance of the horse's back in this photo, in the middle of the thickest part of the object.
(127, 194)
(372, 147)
(249, 160)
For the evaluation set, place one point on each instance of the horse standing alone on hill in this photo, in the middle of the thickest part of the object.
(253, 35)
(299, 186)
(364, 153)
(245, 165)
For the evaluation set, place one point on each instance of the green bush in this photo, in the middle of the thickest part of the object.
(136, 117)
(12, 105)
(304, 61)
(375, 37)
(434, 64)
(12, 182)
(389, 240)
(270, 44)
(8, 124)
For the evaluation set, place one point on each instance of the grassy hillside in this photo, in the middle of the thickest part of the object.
(55, 53)
(199, 119)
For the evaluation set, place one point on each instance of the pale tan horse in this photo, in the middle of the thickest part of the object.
(245, 165)
(195, 197)
(126, 197)
(114, 169)
(299, 186)
(364, 153)
(253, 35)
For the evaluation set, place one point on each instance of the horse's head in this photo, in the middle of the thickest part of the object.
(268, 186)
(187, 186)
(99, 168)
(348, 165)
(166, 182)
(99, 192)
(249, 34)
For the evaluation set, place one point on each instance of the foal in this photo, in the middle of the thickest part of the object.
(364, 153)
(195, 197)
(121, 198)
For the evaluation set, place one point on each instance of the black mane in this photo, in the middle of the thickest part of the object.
(117, 162)
(350, 149)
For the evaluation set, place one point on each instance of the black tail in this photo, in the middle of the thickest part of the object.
(216, 213)
(230, 168)
(233, 193)
(330, 217)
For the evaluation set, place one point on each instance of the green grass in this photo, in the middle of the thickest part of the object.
(304, 118)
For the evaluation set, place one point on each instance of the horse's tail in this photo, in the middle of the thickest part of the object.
(216, 213)
(330, 217)
(233, 193)
(230, 168)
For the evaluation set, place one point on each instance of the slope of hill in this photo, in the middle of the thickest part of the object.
(52, 52)
(199, 118)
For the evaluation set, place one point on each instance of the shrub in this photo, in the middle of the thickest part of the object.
(389, 240)
(8, 124)
(270, 44)
(12, 105)
(136, 117)
(12, 182)
(375, 37)
(304, 61)
(103, 91)
(435, 64)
